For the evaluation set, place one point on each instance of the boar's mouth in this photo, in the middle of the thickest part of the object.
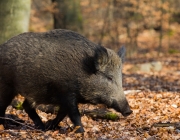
(122, 107)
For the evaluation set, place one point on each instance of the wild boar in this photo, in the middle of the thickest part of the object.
(62, 68)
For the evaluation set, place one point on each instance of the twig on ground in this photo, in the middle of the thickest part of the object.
(21, 124)
(163, 124)
(176, 125)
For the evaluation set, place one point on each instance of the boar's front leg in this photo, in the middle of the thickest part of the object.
(52, 124)
(33, 115)
(73, 112)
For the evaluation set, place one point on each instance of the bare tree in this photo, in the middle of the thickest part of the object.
(14, 17)
(67, 15)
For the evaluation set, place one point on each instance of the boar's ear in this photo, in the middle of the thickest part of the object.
(121, 53)
(101, 58)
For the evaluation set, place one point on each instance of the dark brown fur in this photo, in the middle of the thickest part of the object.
(62, 68)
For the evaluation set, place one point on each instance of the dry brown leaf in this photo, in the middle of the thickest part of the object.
(1, 127)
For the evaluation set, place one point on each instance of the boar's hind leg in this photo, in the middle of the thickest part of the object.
(33, 115)
(6, 96)
(52, 124)
(67, 107)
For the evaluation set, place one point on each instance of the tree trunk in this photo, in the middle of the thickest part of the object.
(14, 18)
(161, 29)
(67, 15)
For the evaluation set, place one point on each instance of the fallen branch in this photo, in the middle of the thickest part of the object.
(168, 124)
(131, 91)
(100, 114)
(21, 124)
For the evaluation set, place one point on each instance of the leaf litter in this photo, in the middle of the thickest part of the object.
(154, 98)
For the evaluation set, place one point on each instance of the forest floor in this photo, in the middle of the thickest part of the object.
(154, 98)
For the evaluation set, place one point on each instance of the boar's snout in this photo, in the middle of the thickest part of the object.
(127, 112)
(122, 107)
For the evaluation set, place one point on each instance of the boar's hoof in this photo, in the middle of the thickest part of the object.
(78, 129)
(41, 127)
(50, 125)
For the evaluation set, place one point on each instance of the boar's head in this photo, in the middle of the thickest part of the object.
(105, 84)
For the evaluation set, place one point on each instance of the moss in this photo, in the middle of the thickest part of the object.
(170, 32)
(173, 51)
(112, 116)
(19, 106)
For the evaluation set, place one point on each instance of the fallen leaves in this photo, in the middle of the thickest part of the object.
(153, 97)
(1, 127)
(152, 107)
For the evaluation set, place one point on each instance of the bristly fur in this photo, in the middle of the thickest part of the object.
(62, 68)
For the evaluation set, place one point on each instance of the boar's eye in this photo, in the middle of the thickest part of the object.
(110, 78)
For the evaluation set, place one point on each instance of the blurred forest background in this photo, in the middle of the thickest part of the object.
(145, 27)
